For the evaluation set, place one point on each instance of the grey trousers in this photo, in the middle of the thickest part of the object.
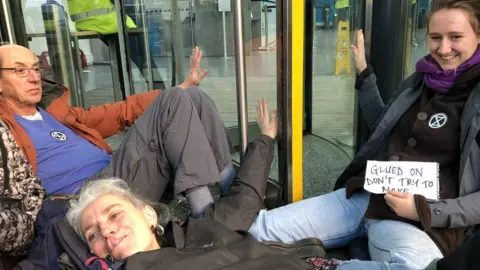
(179, 140)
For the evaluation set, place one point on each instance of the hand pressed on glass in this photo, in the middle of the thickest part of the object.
(267, 120)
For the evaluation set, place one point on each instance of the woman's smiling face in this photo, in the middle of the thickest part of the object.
(452, 38)
(113, 226)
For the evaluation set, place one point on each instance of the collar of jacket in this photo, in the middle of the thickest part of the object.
(469, 130)
(52, 90)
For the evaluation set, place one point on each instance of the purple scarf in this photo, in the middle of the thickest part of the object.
(440, 80)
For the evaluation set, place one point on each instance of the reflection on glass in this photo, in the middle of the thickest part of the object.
(206, 31)
(418, 45)
(329, 150)
(173, 29)
(161, 35)
(333, 71)
(260, 60)
(95, 35)
(144, 45)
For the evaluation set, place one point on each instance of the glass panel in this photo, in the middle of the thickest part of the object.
(261, 60)
(157, 27)
(6, 24)
(161, 24)
(138, 43)
(92, 75)
(260, 57)
(173, 28)
(203, 23)
(206, 28)
(209, 27)
(161, 35)
(334, 73)
(331, 148)
(418, 45)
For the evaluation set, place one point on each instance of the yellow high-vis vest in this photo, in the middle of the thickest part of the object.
(342, 4)
(95, 15)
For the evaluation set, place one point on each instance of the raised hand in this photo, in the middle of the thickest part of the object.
(195, 76)
(267, 121)
(360, 59)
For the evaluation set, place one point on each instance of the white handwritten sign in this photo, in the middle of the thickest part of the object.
(404, 176)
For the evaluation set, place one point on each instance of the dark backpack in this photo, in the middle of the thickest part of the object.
(77, 255)
(21, 197)
(46, 248)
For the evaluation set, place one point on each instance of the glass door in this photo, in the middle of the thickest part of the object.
(330, 98)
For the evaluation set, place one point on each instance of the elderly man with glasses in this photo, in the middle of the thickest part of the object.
(176, 137)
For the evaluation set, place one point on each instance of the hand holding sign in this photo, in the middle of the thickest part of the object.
(403, 204)
(403, 176)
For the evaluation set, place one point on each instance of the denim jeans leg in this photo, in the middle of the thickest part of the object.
(332, 218)
(396, 245)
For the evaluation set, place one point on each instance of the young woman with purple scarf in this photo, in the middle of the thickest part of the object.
(433, 117)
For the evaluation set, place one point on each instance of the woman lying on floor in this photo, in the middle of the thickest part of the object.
(126, 232)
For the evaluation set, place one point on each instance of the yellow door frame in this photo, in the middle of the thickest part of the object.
(290, 91)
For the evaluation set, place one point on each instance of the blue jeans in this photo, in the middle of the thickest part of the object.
(336, 220)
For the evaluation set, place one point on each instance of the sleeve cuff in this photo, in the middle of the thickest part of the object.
(424, 213)
(360, 79)
(441, 215)
(266, 139)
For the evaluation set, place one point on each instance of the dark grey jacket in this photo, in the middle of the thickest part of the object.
(463, 211)
(219, 239)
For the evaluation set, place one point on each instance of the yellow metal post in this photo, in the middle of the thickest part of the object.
(297, 88)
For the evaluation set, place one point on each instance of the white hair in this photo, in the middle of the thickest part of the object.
(92, 190)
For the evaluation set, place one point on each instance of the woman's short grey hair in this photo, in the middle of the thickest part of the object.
(92, 190)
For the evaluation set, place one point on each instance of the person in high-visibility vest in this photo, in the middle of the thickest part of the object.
(100, 16)
(96, 15)
(342, 6)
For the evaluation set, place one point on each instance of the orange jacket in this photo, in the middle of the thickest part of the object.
(94, 124)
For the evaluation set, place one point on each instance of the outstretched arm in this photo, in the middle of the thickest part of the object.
(110, 119)
(239, 207)
(370, 102)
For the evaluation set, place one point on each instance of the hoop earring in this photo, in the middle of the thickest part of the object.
(158, 230)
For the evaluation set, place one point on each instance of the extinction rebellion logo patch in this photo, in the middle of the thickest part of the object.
(437, 120)
(58, 135)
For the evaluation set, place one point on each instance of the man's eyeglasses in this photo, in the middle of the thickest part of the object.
(24, 71)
